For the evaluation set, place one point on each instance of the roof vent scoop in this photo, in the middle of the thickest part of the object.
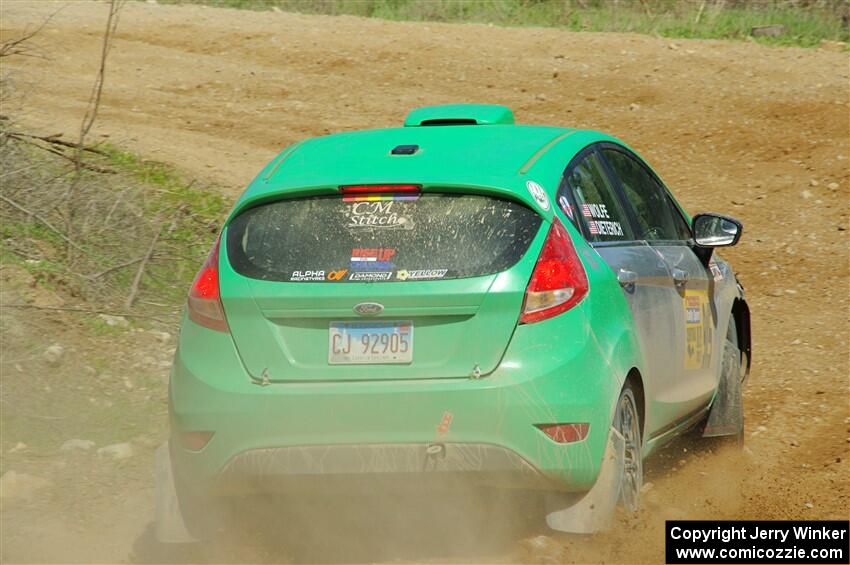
(404, 149)
(460, 115)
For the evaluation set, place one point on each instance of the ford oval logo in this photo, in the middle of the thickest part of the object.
(369, 308)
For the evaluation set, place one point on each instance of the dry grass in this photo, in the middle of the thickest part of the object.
(806, 22)
(132, 219)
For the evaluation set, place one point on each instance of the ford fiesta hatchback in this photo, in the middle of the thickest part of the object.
(525, 307)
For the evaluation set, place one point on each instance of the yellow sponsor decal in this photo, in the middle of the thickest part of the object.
(698, 329)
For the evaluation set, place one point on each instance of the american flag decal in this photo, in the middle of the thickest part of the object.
(593, 227)
(585, 210)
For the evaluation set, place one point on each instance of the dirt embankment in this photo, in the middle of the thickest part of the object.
(758, 132)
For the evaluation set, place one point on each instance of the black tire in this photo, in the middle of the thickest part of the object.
(627, 422)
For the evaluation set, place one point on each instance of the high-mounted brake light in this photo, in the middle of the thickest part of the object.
(205, 298)
(558, 282)
(371, 188)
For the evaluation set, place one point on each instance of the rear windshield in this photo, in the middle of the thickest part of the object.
(372, 238)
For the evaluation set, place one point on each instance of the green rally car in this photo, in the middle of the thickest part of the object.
(523, 307)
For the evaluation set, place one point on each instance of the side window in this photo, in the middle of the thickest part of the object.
(657, 218)
(598, 206)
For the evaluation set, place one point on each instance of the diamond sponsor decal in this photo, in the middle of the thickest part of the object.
(370, 276)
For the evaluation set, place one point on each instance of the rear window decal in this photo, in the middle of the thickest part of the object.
(404, 274)
(597, 227)
(337, 275)
(538, 194)
(594, 211)
(448, 236)
(377, 212)
(372, 258)
(307, 276)
(370, 276)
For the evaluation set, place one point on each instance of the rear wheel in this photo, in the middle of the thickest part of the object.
(618, 483)
(627, 422)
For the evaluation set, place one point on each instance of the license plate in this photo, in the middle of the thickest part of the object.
(362, 343)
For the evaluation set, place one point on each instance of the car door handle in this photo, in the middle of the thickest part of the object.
(627, 279)
(680, 277)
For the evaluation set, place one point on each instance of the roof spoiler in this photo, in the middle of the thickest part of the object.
(460, 114)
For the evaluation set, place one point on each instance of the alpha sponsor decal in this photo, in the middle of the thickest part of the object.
(538, 194)
(404, 274)
(370, 276)
(379, 212)
(698, 329)
(337, 275)
(598, 220)
(307, 276)
(565, 206)
(372, 258)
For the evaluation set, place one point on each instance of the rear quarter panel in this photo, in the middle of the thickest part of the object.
(611, 326)
(612, 330)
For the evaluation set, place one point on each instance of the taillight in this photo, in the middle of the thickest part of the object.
(204, 297)
(371, 188)
(558, 282)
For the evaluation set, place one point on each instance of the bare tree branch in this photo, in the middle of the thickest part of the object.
(115, 268)
(54, 140)
(47, 224)
(19, 46)
(89, 117)
(97, 89)
(51, 149)
(141, 271)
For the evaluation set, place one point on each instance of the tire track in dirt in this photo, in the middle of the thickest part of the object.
(758, 132)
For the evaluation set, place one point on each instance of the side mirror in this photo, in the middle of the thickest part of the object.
(715, 230)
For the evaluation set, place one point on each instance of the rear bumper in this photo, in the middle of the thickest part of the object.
(479, 429)
(434, 465)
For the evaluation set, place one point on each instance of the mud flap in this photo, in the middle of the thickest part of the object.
(594, 511)
(726, 417)
(170, 527)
